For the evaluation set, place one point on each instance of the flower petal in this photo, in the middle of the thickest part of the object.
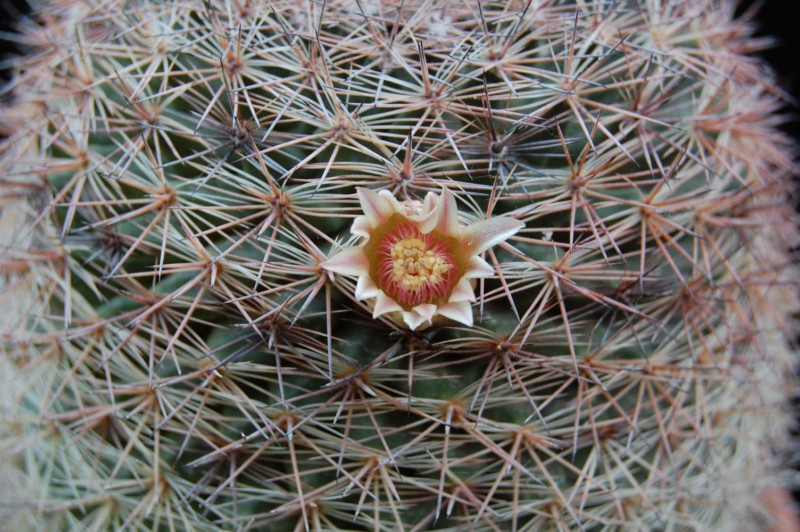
(462, 291)
(460, 311)
(397, 206)
(482, 235)
(427, 216)
(362, 227)
(384, 304)
(349, 261)
(366, 288)
(377, 207)
(478, 268)
(447, 214)
(431, 200)
(426, 310)
(413, 319)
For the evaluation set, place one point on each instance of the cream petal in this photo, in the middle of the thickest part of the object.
(349, 261)
(392, 201)
(377, 207)
(427, 219)
(413, 319)
(426, 310)
(366, 288)
(482, 235)
(460, 311)
(478, 268)
(426, 224)
(362, 227)
(384, 304)
(447, 215)
(431, 200)
(462, 291)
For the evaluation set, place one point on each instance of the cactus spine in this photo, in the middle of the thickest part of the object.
(176, 355)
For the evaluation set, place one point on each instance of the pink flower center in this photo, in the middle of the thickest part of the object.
(414, 268)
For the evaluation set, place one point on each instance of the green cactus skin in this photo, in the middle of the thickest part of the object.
(175, 358)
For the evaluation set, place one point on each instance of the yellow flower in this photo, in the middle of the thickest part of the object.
(416, 260)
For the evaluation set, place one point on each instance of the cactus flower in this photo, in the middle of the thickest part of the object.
(416, 260)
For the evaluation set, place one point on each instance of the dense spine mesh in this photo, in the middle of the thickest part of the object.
(174, 356)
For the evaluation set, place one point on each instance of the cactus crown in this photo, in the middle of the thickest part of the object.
(563, 309)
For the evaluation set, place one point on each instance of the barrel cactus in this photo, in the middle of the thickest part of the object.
(393, 265)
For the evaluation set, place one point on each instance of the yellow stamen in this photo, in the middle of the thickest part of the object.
(414, 264)
(414, 268)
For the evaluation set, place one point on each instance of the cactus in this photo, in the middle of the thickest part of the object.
(199, 333)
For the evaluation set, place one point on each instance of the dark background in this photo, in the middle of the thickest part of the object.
(773, 19)
(10, 11)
